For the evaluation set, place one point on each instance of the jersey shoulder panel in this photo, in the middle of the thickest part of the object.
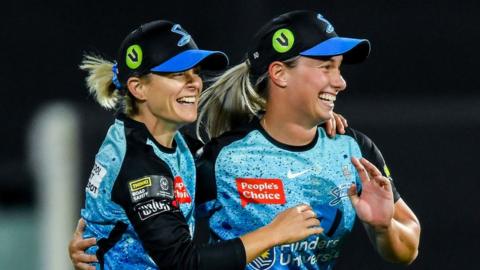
(372, 153)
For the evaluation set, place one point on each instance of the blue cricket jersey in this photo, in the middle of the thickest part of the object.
(140, 205)
(255, 177)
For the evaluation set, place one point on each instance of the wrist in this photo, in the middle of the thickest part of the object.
(382, 228)
(273, 237)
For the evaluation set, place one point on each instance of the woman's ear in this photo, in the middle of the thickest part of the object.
(277, 73)
(136, 87)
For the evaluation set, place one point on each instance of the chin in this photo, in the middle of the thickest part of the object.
(325, 116)
(188, 119)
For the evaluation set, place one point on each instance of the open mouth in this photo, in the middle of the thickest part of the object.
(327, 97)
(187, 100)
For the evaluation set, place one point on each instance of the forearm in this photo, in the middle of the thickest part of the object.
(397, 243)
(257, 242)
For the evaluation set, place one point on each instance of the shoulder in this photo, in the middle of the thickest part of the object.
(366, 145)
(358, 136)
(215, 145)
(141, 177)
(192, 142)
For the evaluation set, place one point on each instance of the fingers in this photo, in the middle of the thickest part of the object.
(340, 122)
(330, 127)
(312, 222)
(80, 227)
(344, 120)
(78, 256)
(85, 243)
(362, 172)
(85, 258)
(308, 214)
(353, 194)
(314, 230)
(383, 182)
(372, 170)
(84, 266)
(303, 207)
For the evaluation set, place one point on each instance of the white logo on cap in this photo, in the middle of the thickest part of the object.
(329, 25)
(256, 55)
(185, 36)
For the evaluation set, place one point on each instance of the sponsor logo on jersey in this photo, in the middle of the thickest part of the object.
(96, 177)
(263, 262)
(181, 192)
(346, 172)
(308, 253)
(291, 175)
(140, 184)
(151, 208)
(260, 191)
(152, 186)
(339, 193)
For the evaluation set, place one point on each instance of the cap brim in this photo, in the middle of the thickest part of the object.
(353, 50)
(212, 60)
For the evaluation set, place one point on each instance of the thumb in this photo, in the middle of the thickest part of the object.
(80, 227)
(352, 194)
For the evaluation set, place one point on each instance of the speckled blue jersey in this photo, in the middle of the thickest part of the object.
(258, 177)
(136, 188)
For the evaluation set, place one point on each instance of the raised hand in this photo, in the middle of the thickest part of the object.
(374, 205)
(77, 246)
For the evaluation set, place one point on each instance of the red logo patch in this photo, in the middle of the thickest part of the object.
(181, 192)
(260, 190)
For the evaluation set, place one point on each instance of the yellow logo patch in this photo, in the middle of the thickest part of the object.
(140, 183)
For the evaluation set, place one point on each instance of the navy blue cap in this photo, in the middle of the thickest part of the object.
(163, 46)
(304, 33)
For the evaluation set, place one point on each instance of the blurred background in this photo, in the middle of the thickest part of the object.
(417, 97)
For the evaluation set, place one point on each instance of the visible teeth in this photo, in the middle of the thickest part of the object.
(190, 99)
(327, 97)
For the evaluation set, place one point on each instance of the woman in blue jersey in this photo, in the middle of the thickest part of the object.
(141, 192)
(268, 152)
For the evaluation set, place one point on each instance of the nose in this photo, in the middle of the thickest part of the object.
(194, 81)
(337, 81)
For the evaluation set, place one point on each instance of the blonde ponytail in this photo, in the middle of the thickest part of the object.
(99, 81)
(100, 85)
(231, 98)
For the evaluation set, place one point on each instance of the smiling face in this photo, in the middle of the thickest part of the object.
(313, 87)
(173, 97)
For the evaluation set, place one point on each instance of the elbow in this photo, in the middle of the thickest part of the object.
(411, 243)
(408, 259)
(403, 259)
(405, 250)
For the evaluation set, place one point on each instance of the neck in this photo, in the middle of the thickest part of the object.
(162, 131)
(287, 130)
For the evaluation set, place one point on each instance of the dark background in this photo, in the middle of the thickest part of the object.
(417, 96)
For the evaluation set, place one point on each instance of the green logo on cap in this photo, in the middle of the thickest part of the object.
(134, 56)
(283, 40)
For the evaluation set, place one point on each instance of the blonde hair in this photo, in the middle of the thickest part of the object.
(232, 98)
(100, 85)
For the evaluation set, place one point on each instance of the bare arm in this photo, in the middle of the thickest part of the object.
(291, 225)
(392, 228)
(399, 242)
